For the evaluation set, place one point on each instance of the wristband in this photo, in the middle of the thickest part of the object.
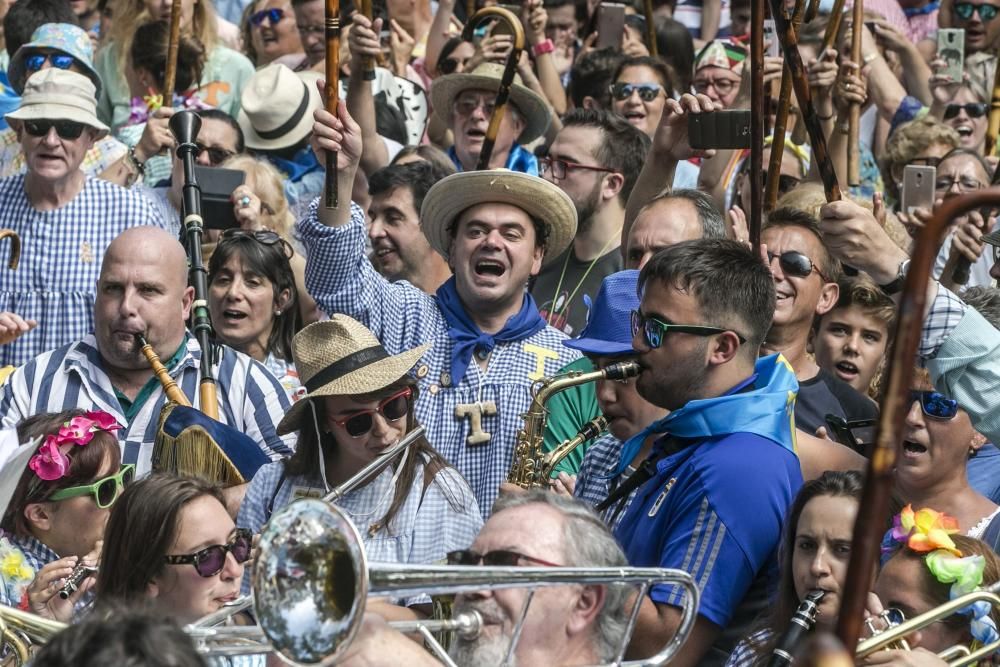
(870, 57)
(543, 47)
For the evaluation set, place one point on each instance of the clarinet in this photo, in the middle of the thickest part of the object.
(802, 622)
(75, 579)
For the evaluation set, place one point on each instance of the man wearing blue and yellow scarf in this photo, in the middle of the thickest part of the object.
(720, 479)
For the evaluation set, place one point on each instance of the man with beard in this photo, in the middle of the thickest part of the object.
(595, 159)
(566, 626)
(712, 495)
(400, 250)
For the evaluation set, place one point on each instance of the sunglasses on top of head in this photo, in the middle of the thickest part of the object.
(647, 91)
(209, 561)
(935, 405)
(272, 15)
(36, 61)
(392, 409)
(66, 129)
(972, 110)
(965, 10)
(796, 264)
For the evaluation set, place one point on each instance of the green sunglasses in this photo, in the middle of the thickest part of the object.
(105, 490)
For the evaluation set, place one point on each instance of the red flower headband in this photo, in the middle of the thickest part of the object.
(51, 461)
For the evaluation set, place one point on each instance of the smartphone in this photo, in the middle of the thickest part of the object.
(918, 188)
(610, 25)
(858, 434)
(951, 49)
(729, 128)
(771, 38)
(217, 185)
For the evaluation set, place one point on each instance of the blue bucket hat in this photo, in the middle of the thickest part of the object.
(62, 37)
(609, 322)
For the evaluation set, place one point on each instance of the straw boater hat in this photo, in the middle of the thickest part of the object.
(57, 94)
(542, 200)
(445, 89)
(276, 107)
(341, 357)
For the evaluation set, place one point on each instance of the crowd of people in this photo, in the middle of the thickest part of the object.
(478, 249)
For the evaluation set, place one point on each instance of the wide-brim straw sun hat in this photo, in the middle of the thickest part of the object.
(57, 94)
(486, 76)
(341, 357)
(276, 107)
(450, 196)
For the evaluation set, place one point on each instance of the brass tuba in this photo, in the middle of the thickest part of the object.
(531, 466)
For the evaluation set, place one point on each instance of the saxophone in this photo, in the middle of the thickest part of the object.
(531, 466)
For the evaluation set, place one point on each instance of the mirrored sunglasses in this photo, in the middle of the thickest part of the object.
(36, 61)
(105, 490)
(647, 91)
(272, 15)
(209, 561)
(935, 405)
(66, 129)
(392, 409)
(498, 558)
(965, 10)
(655, 330)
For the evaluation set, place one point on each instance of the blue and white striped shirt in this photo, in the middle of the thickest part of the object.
(342, 280)
(250, 398)
(61, 255)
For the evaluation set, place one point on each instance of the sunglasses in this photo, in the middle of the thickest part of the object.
(66, 129)
(965, 10)
(655, 330)
(558, 168)
(263, 236)
(972, 109)
(935, 405)
(35, 61)
(647, 91)
(500, 557)
(272, 15)
(796, 264)
(392, 409)
(105, 490)
(216, 155)
(209, 561)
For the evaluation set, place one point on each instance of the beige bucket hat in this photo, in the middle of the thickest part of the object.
(486, 76)
(276, 107)
(341, 357)
(58, 94)
(450, 196)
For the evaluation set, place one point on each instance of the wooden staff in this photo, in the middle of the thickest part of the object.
(871, 523)
(812, 11)
(800, 83)
(993, 129)
(647, 7)
(365, 7)
(15, 247)
(833, 25)
(781, 122)
(470, 11)
(170, 388)
(175, 39)
(854, 126)
(509, 70)
(332, 93)
(757, 120)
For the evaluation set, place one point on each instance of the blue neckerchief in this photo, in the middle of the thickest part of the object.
(302, 163)
(468, 338)
(518, 159)
(766, 410)
(920, 11)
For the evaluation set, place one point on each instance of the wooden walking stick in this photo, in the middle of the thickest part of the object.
(781, 123)
(833, 25)
(170, 78)
(757, 120)
(993, 129)
(854, 126)
(365, 7)
(654, 49)
(332, 93)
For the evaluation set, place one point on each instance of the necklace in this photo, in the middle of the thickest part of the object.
(569, 253)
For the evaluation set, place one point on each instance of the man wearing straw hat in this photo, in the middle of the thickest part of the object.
(464, 103)
(65, 219)
(489, 344)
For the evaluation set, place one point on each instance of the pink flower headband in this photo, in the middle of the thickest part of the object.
(51, 461)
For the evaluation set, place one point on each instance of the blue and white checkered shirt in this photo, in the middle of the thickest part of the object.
(61, 254)
(944, 315)
(593, 484)
(342, 280)
(250, 398)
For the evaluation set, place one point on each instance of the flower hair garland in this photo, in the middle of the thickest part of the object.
(51, 462)
(925, 530)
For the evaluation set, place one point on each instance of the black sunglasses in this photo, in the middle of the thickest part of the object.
(965, 10)
(209, 561)
(216, 155)
(66, 129)
(796, 264)
(272, 15)
(647, 91)
(655, 330)
(498, 558)
(972, 110)
(393, 409)
(935, 405)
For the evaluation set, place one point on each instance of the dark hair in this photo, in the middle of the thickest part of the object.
(427, 153)
(222, 116)
(786, 216)
(593, 75)
(623, 146)
(677, 49)
(271, 262)
(959, 151)
(731, 285)
(120, 636)
(141, 529)
(861, 291)
(24, 18)
(419, 177)
(449, 46)
(541, 228)
(305, 462)
(85, 464)
(713, 226)
(832, 483)
(986, 300)
(654, 63)
(149, 51)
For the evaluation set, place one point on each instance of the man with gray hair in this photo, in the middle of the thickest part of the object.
(691, 214)
(565, 625)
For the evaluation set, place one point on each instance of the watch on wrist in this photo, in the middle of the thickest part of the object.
(896, 286)
(545, 46)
